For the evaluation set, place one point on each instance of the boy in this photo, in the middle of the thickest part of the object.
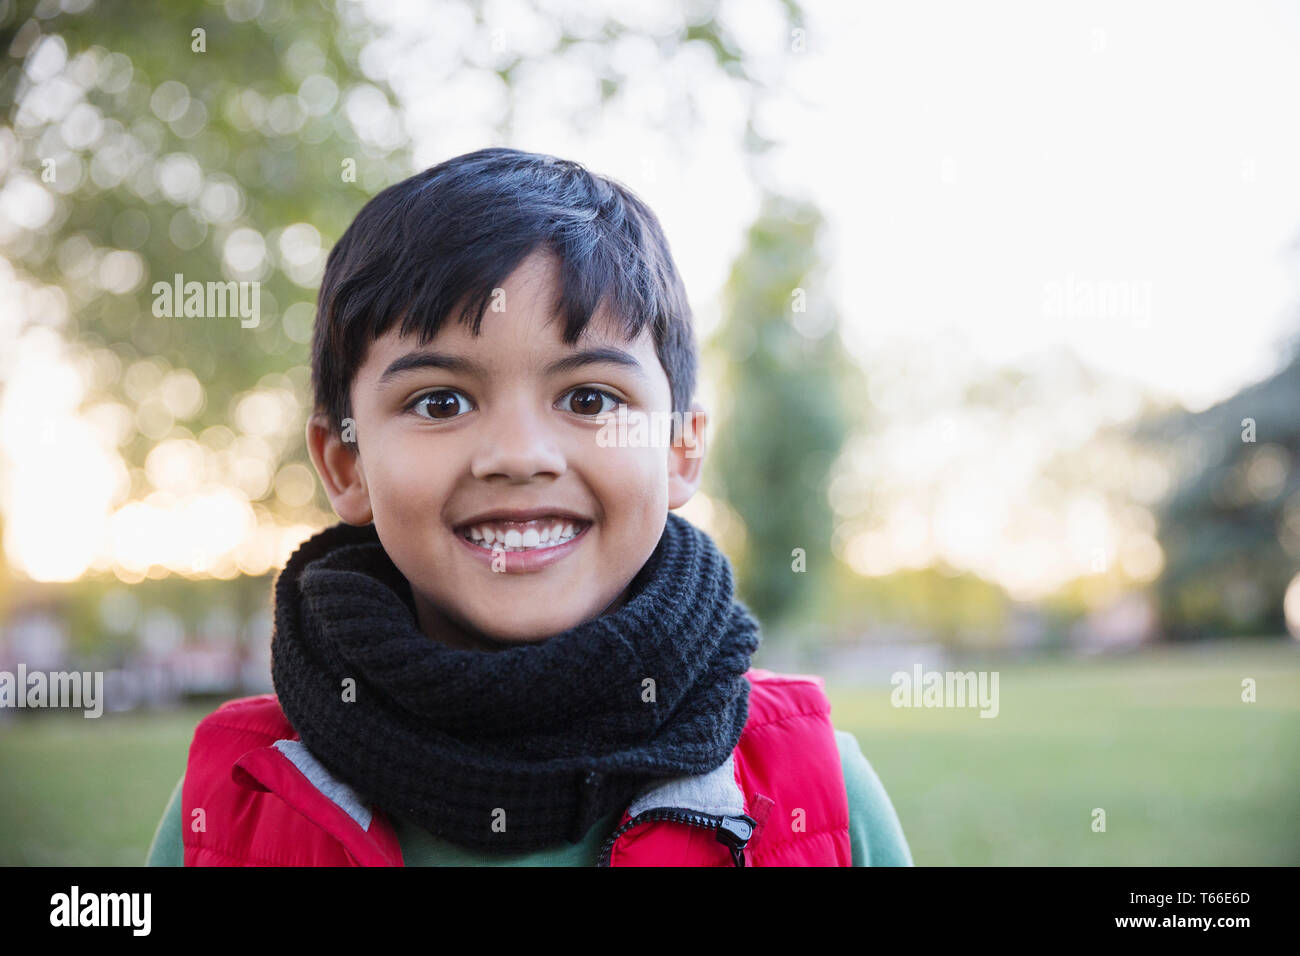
(510, 651)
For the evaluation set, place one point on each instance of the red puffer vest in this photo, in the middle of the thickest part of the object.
(255, 796)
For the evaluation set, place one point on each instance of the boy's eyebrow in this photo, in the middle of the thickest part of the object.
(602, 355)
(455, 363)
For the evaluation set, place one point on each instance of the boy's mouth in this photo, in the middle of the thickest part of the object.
(534, 534)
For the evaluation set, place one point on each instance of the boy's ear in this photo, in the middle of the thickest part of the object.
(339, 466)
(686, 457)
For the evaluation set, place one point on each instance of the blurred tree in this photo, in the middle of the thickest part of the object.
(213, 143)
(235, 140)
(955, 608)
(1230, 527)
(785, 381)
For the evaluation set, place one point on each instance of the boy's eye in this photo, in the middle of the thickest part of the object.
(440, 404)
(587, 401)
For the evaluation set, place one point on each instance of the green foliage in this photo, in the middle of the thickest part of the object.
(786, 420)
(960, 610)
(1230, 528)
(180, 149)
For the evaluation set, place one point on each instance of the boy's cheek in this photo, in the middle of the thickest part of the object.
(413, 474)
(642, 465)
(633, 482)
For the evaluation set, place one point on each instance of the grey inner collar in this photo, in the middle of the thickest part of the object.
(336, 790)
(715, 792)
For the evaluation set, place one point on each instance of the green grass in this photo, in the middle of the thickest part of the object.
(88, 792)
(1186, 772)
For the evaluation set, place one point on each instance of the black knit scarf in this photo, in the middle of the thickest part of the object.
(522, 748)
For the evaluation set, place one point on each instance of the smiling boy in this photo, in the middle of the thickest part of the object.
(510, 651)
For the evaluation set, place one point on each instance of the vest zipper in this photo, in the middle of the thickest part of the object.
(733, 832)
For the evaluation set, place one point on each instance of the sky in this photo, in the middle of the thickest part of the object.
(993, 167)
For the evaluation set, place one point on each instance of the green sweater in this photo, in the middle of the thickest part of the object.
(874, 831)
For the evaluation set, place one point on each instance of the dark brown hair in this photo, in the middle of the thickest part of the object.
(456, 231)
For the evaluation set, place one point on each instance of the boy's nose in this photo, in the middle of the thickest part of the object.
(517, 444)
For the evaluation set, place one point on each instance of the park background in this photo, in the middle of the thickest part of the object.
(1000, 324)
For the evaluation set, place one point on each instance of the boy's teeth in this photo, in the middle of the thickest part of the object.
(533, 535)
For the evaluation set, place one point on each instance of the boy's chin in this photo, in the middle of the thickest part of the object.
(523, 630)
(496, 625)
(499, 635)
(531, 631)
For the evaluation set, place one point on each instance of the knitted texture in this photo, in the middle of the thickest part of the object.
(522, 748)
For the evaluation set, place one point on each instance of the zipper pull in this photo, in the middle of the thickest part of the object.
(734, 833)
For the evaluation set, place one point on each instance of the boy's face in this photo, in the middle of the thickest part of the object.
(442, 450)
